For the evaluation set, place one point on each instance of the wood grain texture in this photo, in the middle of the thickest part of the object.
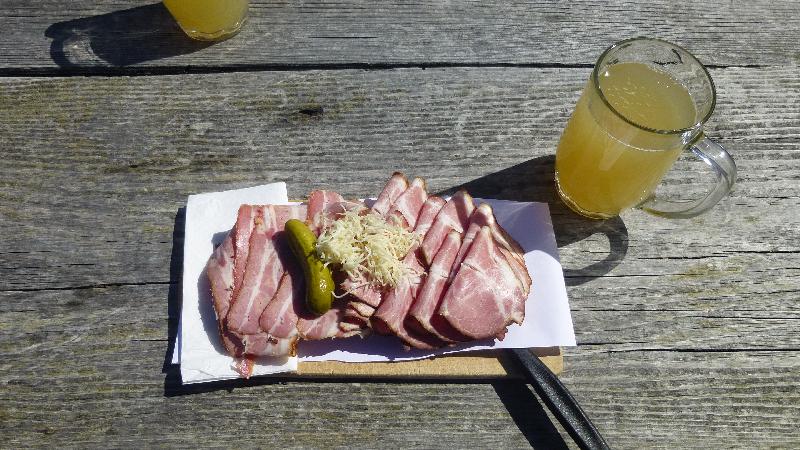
(688, 330)
(95, 357)
(50, 34)
(95, 169)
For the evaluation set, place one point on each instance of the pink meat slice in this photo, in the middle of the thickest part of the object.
(396, 185)
(360, 309)
(220, 275)
(484, 216)
(363, 293)
(348, 329)
(279, 318)
(318, 204)
(322, 327)
(263, 344)
(428, 214)
(514, 255)
(432, 291)
(261, 278)
(485, 296)
(390, 316)
(405, 209)
(241, 236)
(356, 319)
(454, 215)
(285, 212)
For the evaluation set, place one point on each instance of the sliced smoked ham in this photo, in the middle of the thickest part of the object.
(430, 295)
(279, 318)
(261, 278)
(470, 280)
(241, 241)
(407, 206)
(220, 276)
(396, 185)
(322, 327)
(390, 316)
(454, 215)
(263, 344)
(319, 203)
(362, 292)
(485, 296)
(428, 214)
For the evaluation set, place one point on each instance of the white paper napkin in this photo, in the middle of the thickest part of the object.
(210, 216)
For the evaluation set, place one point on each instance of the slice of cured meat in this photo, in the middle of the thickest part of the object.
(263, 344)
(390, 316)
(241, 240)
(261, 278)
(279, 318)
(322, 327)
(428, 214)
(484, 216)
(220, 275)
(285, 212)
(454, 215)
(319, 203)
(396, 185)
(432, 291)
(485, 296)
(362, 292)
(405, 209)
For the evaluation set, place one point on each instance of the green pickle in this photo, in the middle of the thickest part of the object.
(319, 280)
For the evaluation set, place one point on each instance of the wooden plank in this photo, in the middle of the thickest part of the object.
(96, 169)
(84, 368)
(51, 34)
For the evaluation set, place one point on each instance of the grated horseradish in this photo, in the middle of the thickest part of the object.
(368, 248)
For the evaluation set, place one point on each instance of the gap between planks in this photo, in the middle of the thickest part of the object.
(186, 70)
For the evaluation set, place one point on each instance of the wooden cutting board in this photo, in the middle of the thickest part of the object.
(471, 366)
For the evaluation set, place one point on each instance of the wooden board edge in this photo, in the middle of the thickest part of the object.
(470, 366)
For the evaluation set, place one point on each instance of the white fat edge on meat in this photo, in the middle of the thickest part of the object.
(252, 290)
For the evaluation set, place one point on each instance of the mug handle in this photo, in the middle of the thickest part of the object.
(724, 168)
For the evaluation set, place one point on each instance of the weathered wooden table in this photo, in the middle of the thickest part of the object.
(688, 330)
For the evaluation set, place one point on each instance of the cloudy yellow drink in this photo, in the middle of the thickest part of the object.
(606, 161)
(208, 19)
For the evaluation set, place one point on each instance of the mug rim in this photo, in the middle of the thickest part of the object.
(693, 127)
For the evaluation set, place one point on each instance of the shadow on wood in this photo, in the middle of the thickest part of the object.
(533, 181)
(121, 38)
(174, 297)
(529, 415)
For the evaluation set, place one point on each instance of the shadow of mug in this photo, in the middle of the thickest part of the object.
(120, 38)
(533, 181)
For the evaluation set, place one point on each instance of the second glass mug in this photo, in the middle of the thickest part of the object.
(646, 101)
(209, 20)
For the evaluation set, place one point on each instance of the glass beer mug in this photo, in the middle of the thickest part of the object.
(646, 101)
(209, 20)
